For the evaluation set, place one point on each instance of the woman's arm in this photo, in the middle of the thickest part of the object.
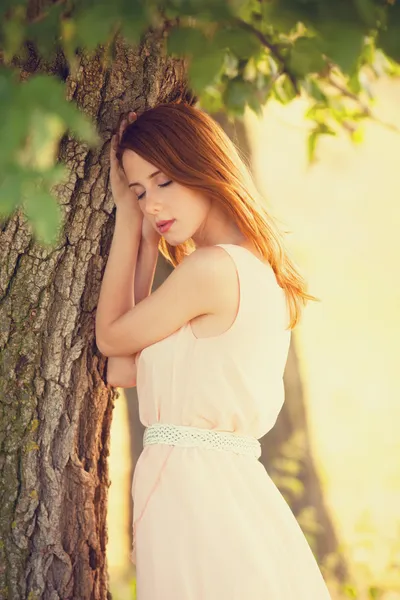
(121, 370)
(117, 287)
(124, 269)
(145, 270)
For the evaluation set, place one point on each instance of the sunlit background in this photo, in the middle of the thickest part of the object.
(343, 213)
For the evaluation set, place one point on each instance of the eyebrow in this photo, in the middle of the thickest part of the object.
(149, 177)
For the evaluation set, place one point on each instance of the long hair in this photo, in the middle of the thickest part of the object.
(192, 149)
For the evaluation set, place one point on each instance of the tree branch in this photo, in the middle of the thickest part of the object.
(273, 48)
(365, 109)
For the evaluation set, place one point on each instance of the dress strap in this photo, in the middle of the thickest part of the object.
(243, 305)
(245, 269)
(257, 287)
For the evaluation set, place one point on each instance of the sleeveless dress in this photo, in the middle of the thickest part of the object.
(211, 524)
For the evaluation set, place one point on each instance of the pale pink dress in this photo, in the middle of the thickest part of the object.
(211, 524)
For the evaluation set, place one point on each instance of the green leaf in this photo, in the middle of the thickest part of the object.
(238, 5)
(11, 191)
(368, 11)
(321, 129)
(6, 5)
(136, 18)
(57, 174)
(305, 57)
(248, 9)
(211, 100)
(207, 58)
(204, 10)
(12, 34)
(263, 84)
(7, 83)
(240, 42)
(45, 132)
(14, 121)
(186, 41)
(45, 215)
(342, 43)
(215, 10)
(311, 145)
(389, 39)
(49, 93)
(284, 90)
(237, 94)
(313, 89)
(354, 83)
(94, 24)
(283, 15)
(317, 112)
(255, 105)
(204, 68)
(17, 183)
(46, 32)
(357, 135)
(231, 65)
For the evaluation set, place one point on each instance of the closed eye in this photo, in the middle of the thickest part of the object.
(159, 185)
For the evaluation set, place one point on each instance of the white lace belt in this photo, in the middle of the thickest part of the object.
(182, 435)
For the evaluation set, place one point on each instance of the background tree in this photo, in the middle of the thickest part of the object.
(67, 71)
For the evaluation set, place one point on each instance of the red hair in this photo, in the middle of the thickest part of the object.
(191, 148)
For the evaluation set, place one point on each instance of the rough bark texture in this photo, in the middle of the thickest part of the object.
(290, 429)
(55, 407)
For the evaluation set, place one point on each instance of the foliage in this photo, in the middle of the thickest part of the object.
(240, 53)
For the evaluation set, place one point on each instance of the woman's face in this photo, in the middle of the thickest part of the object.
(161, 199)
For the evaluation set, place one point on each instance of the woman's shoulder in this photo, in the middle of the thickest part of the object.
(208, 255)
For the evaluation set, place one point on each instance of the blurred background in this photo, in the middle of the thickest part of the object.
(68, 72)
(335, 450)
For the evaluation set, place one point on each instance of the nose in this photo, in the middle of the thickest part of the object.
(151, 204)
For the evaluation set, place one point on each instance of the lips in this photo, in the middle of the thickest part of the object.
(163, 226)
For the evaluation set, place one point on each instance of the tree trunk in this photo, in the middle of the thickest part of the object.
(56, 409)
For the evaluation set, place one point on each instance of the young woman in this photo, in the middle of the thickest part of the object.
(207, 351)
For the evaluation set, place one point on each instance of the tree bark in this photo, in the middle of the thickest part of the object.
(56, 407)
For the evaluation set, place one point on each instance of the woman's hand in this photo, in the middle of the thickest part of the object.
(121, 192)
(150, 235)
